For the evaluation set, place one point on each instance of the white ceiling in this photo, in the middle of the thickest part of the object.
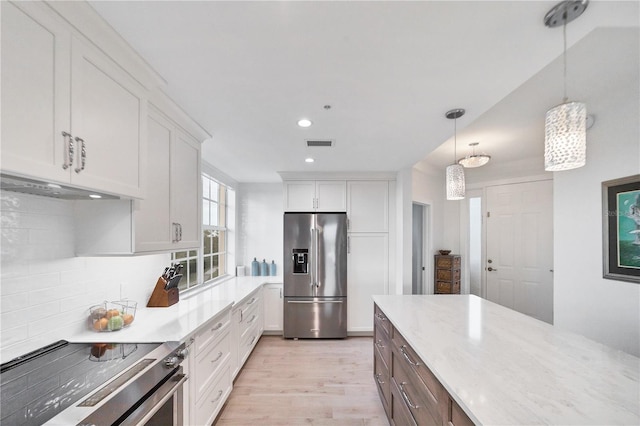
(247, 71)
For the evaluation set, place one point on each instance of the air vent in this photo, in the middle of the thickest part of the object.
(320, 143)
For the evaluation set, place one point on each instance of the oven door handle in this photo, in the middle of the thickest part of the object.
(157, 400)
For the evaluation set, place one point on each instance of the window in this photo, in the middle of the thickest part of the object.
(211, 261)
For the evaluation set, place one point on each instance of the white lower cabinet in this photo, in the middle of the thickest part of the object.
(273, 308)
(247, 327)
(209, 369)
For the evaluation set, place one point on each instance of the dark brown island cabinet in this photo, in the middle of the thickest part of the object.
(447, 274)
(410, 393)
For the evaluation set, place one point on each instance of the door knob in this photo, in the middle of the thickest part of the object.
(491, 269)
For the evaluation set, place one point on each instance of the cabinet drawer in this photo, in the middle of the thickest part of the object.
(209, 362)
(383, 379)
(382, 343)
(247, 342)
(457, 417)
(214, 329)
(381, 320)
(418, 374)
(448, 274)
(210, 403)
(248, 318)
(422, 402)
(400, 414)
(443, 287)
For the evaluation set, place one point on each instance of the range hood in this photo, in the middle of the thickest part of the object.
(47, 189)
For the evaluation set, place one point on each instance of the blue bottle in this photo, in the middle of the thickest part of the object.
(264, 268)
(255, 269)
(272, 268)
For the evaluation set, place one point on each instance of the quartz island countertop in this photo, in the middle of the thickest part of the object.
(178, 321)
(503, 367)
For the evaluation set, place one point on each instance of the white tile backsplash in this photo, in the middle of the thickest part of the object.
(45, 291)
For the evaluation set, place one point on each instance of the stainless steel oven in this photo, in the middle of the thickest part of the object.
(96, 384)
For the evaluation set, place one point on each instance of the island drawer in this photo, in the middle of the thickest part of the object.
(416, 367)
(400, 414)
(382, 343)
(383, 380)
(381, 320)
(427, 404)
(456, 416)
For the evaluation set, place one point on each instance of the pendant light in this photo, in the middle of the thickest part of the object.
(455, 172)
(565, 143)
(474, 160)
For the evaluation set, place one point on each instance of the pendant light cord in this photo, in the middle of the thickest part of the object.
(455, 139)
(564, 54)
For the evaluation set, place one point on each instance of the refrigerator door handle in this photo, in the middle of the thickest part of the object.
(317, 249)
(309, 302)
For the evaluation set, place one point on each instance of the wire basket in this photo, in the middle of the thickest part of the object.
(112, 316)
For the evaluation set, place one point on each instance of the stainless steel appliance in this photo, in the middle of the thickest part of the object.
(95, 384)
(315, 275)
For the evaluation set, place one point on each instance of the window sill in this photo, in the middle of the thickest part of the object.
(185, 294)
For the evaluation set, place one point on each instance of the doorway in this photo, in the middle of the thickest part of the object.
(519, 247)
(475, 245)
(419, 238)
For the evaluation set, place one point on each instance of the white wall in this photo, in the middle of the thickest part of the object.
(605, 310)
(260, 223)
(45, 291)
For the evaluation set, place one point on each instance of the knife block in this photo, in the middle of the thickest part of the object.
(161, 298)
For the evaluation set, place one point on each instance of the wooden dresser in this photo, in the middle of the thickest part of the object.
(447, 274)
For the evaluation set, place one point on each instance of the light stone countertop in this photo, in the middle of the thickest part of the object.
(506, 368)
(180, 320)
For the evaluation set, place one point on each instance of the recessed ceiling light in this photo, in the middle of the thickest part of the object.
(309, 160)
(96, 196)
(304, 122)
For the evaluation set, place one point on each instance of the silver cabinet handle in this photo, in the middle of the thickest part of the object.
(213, 401)
(406, 356)
(306, 302)
(381, 317)
(253, 318)
(252, 340)
(175, 232)
(217, 358)
(280, 293)
(179, 232)
(406, 397)
(83, 155)
(378, 379)
(250, 302)
(217, 327)
(67, 150)
(379, 344)
(348, 245)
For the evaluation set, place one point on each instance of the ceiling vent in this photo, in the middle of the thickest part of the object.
(320, 143)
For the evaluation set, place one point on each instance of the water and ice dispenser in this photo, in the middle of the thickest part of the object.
(300, 261)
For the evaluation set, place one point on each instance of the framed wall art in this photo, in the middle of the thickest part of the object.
(621, 229)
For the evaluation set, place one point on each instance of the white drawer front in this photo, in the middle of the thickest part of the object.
(211, 401)
(215, 328)
(209, 362)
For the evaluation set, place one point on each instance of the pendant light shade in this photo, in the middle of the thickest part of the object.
(455, 182)
(565, 142)
(565, 125)
(455, 172)
(474, 160)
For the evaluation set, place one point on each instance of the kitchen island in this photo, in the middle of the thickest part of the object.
(502, 367)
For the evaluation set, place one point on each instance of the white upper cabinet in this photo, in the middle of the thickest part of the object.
(36, 51)
(69, 113)
(320, 196)
(168, 217)
(368, 206)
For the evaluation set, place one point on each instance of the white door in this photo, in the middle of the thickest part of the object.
(520, 247)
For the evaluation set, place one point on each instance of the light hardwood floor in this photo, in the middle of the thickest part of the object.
(302, 382)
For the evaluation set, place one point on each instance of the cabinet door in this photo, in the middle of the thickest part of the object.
(331, 196)
(108, 114)
(185, 189)
(367, 275)
(368, 206)
(273, 307)
(35, 91)
(153, 229)
(299, 196)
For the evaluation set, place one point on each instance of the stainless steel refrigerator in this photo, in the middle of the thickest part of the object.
(315, 275)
